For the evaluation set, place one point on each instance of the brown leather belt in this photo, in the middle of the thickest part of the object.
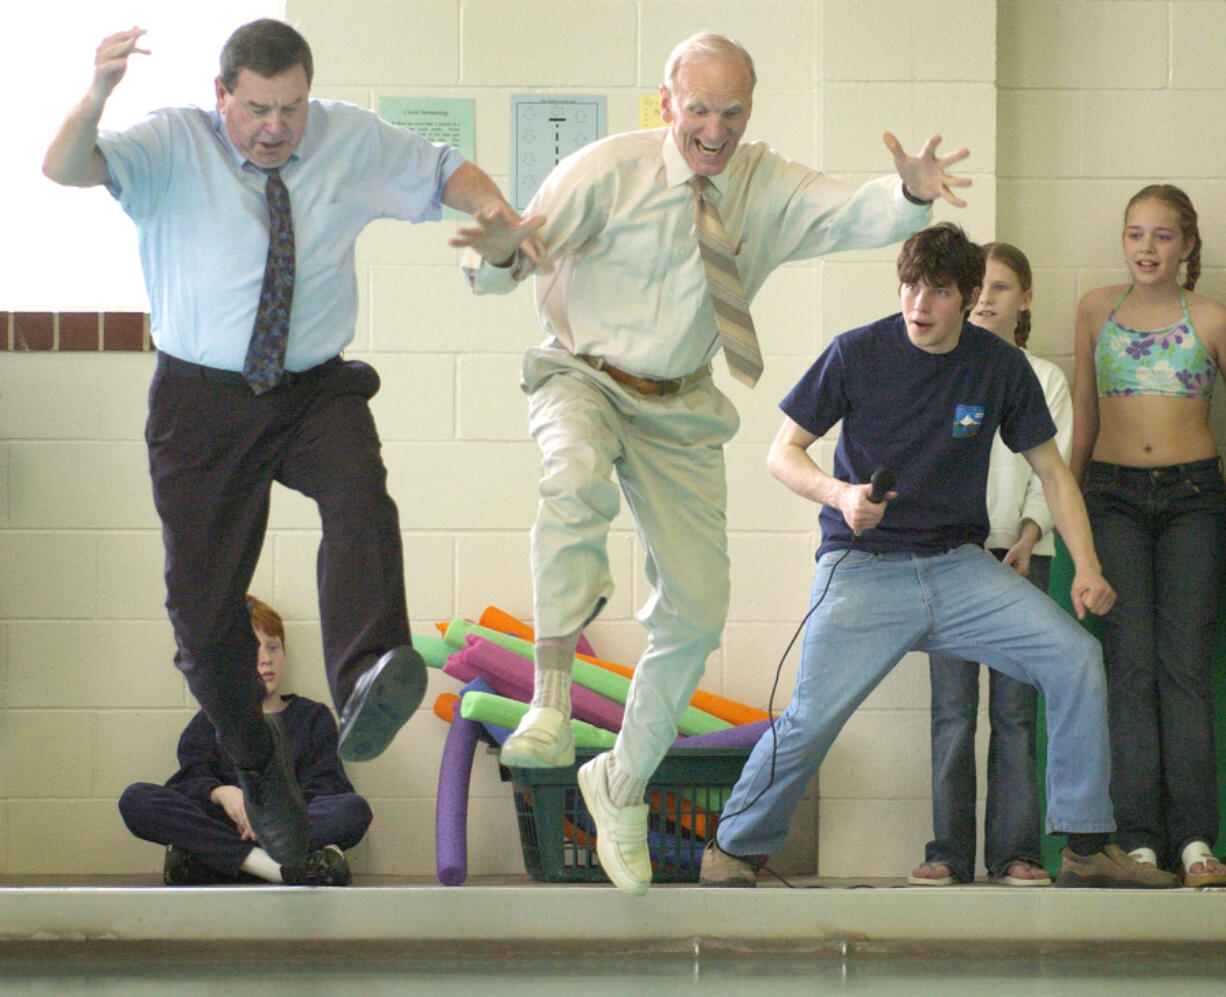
(647, 385)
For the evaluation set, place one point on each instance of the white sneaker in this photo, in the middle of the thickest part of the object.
(621, 832)
(544, 739)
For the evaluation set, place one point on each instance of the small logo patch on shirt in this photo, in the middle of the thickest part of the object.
(967, 420)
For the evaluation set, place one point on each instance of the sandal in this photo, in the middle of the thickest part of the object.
(1010, 879)
(1213, 871)
(917, 880)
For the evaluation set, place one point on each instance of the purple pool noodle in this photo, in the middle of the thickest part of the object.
(583, 647)
(744, 736)
(451, 810)
(498, 666)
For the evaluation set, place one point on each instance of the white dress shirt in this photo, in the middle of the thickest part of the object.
(623, 279)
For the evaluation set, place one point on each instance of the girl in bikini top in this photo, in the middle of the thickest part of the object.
(1170, 362)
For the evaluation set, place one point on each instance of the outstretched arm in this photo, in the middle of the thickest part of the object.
(497, 232)
(924, 176)
(73, 158)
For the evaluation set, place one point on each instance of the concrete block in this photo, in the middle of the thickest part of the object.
(446, 317)
(92, 665)
(1078, 44)
(768, 570)
(370, 42)
(879, 754)
(508, 43)
(135, 746)
(780, 35)
(756, 501)
(872, 838)
(417, 399)
(48, 575)
(490, 404)
(82, 485)
(1023, 117)
(90, 839)
(48, 753)
(49, 396)
(131, 582)
(444, 498)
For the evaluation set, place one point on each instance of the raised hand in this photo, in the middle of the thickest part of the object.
(925, 175)
(111, 60)
(498, 233)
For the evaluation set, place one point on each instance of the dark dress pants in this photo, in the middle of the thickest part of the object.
(215, 449)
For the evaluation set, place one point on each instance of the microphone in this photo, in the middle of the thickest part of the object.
(881, 481)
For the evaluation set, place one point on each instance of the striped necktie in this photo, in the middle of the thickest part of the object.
(265, 363)
(732, 319)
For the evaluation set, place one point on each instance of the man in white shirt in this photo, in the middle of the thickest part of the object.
(622, 381)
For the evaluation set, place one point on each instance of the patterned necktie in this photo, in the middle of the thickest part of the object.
(732, 319)
(265, 363)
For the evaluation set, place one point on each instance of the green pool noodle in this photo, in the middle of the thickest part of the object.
(599, 680)
(434, 651)
(485, 707)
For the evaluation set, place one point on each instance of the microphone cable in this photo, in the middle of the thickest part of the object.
(882, 481)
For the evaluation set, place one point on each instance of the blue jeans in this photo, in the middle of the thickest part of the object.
(1011, 820)
(963, 604)
(1159, 535)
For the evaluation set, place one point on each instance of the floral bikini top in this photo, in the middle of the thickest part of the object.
(1170, 362)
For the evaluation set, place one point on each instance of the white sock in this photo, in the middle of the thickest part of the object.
(1195, 851)
(259, 863)
(553, 658)
(1146, 855)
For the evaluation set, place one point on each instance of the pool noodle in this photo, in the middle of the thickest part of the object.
(601, 680)
(745, 736)
(433, 650)
(451, 810)
(492, 709)
(718, 706)
(497, 619)
(511, 675)
(446, 705)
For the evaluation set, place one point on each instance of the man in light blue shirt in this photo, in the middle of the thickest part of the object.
(247, 218)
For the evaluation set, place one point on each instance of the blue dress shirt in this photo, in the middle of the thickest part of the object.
(203, 222)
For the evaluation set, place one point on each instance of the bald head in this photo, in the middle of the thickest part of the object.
(703, 46)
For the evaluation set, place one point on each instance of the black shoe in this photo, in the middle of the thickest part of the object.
(274, 803)
(326, 867)
(182, 868)
(382, 701)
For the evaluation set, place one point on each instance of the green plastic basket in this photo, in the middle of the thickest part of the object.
(685, 797)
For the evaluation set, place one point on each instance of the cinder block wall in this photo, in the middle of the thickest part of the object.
(91, 700)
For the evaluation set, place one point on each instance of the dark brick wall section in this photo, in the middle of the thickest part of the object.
(78, 331)
(125, 331)
(74, 332)
(33, 330)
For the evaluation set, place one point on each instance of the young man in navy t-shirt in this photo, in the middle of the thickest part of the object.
(921, 394)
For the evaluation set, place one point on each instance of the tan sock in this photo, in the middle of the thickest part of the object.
(553, 659)
(625, 790)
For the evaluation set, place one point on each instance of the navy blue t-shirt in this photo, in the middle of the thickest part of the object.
(928, 417)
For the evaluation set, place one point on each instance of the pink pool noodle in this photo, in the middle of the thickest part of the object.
(510, 675)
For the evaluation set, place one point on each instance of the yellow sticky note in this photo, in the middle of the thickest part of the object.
(649, 111)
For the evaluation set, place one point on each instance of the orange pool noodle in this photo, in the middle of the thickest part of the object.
(726, 709)
(446, 706)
